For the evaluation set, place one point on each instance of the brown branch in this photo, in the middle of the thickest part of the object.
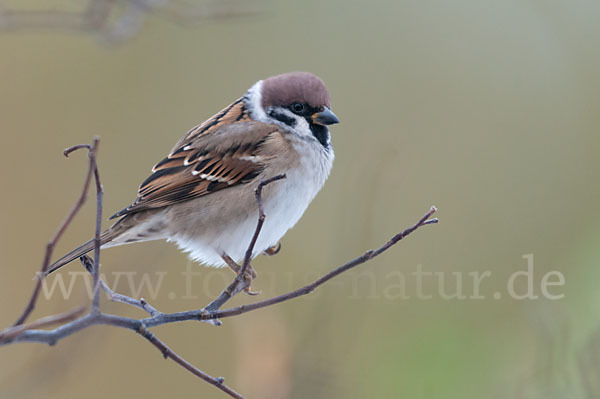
(169, 353)
(307, 289)
(260, 222)
(60, 318)
(158, 318)
(73, 321)
(61, 229)
(99, 198)
(242, 281)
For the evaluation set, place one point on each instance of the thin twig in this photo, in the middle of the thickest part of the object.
(58, 234)
(99, 198)
(113, 296)
(307, 289)
(259, 223)
(60, 318)
(203, 314)
(167, 352)
(240, 282)
(72, 323)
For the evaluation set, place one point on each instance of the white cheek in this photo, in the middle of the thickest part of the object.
(302, 127)
(253, 102)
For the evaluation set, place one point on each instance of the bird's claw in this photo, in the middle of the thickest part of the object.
(248, 277)
(246, 280)
(274, 250)
(248, 291)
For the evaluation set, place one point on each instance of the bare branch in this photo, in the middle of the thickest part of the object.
(204, 314)
(240, 282)
(141, 303)
(61, 229)
(307, 289)
(167, 352)
(74, 321)
(98, 230)
(261, 219)
(60, 318)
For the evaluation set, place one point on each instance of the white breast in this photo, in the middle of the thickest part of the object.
(286, 203)
(298, 190)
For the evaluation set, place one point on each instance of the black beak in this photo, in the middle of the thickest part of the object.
(325, 117)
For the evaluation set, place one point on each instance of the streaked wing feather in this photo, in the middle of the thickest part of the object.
(220, 153)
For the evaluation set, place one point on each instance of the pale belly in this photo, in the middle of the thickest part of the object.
(284, 203)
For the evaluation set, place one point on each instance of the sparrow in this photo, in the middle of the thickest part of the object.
(202, 195)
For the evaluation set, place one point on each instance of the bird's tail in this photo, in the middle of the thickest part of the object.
(81, 250)
(122, 232)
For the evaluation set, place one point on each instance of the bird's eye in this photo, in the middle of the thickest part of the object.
(298, 108)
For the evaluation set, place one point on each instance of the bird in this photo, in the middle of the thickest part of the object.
(202, 195)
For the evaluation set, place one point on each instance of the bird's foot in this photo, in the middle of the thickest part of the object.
(274, 250)
(249, 275)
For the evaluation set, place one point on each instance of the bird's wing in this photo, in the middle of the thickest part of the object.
(220, 153)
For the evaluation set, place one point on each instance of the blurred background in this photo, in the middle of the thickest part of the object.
(487, 109)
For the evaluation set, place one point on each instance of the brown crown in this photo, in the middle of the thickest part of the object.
(282, 90)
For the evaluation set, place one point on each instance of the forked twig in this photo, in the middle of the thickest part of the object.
(74, 321)
(240, 282)
(62, 228)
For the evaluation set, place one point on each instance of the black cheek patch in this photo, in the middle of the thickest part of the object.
(321, 133)
(281, 117)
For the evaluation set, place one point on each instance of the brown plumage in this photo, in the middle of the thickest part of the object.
(202, 194)
(220, 159)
